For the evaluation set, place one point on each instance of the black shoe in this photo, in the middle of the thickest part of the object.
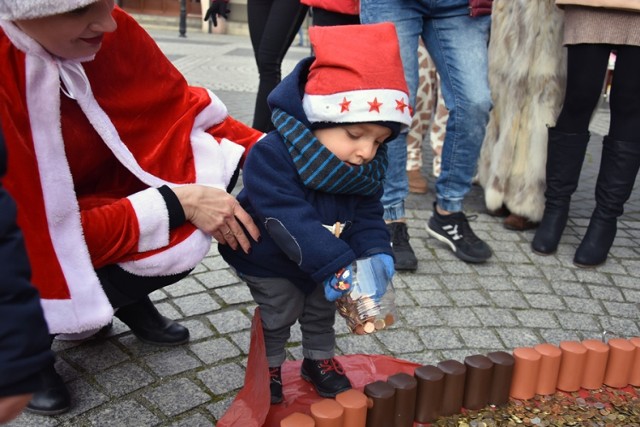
(275, 384)
(405, 258)
(327, 376)
(455, 231)
(150, 326)
(53, 398)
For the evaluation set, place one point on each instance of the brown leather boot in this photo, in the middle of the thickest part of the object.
(417, 183)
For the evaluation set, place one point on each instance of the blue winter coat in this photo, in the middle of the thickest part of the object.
(24, 338)
(295, 244)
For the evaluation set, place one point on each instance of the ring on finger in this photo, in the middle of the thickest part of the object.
(228, 232)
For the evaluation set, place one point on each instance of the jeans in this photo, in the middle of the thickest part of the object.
(458, 45)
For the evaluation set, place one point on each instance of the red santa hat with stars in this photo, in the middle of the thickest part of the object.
(357, 76)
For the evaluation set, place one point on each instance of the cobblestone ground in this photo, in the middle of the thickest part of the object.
(447, 309)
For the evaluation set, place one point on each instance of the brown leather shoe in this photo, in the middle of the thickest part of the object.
(417, 183)
(518, 223)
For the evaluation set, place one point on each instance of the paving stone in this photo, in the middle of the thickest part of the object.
(420, 282)
(620, 327)
(197, 329)
(576, 321)
(631, 295)
(532, 285)
(417, 317)
(573, 289)
(215, 263)
(171, 362)
(193, 305)
(497, 283)
(497, 317)
(606, 293)
(90, 398)
(432, 298)
(462, 283)
(229, 321)
(546, 302)
(176, 396)
(217, 279)
(508, 299)
(455, 267)
(96, 356)
(222, 379)
(480, 337)
(399, 342)
(195, 420)
(459, 317)
(536, 319)
(468, 298)
(123, 379)
(359, 344)
(489, 269)
(584, 305)
(186, 286)
(423, 357)
(518, 337)
(169, 311)
(627, 310)
(124, 413)
(218, 408)
(439, 338)
(235, 294)
(404, 298)
(215, 350)
(556, 336)
(242, 340)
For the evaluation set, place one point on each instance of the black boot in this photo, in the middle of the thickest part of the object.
(150, 326)
(327, 376)
(275, 385)
(53, 398)
(618, 169)
(565, 154)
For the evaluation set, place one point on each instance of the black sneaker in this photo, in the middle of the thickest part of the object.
(327, 376)
(405, 258)
(454, 230)
(275, 384)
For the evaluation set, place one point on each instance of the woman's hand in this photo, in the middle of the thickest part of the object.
(219, 214)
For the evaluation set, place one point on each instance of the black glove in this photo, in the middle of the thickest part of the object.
(218, 7)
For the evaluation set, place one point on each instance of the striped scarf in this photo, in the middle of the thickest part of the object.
(320, 169)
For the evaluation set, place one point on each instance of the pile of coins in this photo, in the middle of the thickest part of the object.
(606, 407)
(363, 315)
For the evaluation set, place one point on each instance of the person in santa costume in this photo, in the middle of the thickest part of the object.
(119, 169)
(314, 187)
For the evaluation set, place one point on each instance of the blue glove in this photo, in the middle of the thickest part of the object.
(338, 284)
(383, 270)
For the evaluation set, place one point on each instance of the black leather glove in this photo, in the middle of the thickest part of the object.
(218, 7)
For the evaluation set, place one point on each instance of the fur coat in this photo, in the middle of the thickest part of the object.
(527, 70)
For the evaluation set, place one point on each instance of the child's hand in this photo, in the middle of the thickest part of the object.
(382, 265)
(338, 284)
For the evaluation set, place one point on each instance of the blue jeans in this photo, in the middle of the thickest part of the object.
(457, 44)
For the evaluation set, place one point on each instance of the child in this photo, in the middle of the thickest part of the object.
(313, 186)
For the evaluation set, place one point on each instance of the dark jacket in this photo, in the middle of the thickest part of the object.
(294, 244)
(24, 338)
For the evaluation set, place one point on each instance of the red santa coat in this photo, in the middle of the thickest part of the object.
(84, 172)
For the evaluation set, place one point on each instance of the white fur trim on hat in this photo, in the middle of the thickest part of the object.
(12, 10)
(358, 106)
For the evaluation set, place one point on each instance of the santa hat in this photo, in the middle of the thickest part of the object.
(12, 10)
(357, 76)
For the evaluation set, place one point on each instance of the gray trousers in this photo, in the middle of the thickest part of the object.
(281, 304)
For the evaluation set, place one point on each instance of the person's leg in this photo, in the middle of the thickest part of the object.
(318, 345)
(53, 397)
(281, 304)
(129, 295)
(567, 144)
(422, 118)
(457, 44)
(407, 16)
(620, 160)
(273, 25)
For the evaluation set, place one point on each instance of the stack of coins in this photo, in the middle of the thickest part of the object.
(363, 315)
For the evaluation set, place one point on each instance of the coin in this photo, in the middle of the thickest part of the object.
(369, 327)
(379, 324)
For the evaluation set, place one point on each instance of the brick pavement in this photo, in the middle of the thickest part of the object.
(448, 309)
